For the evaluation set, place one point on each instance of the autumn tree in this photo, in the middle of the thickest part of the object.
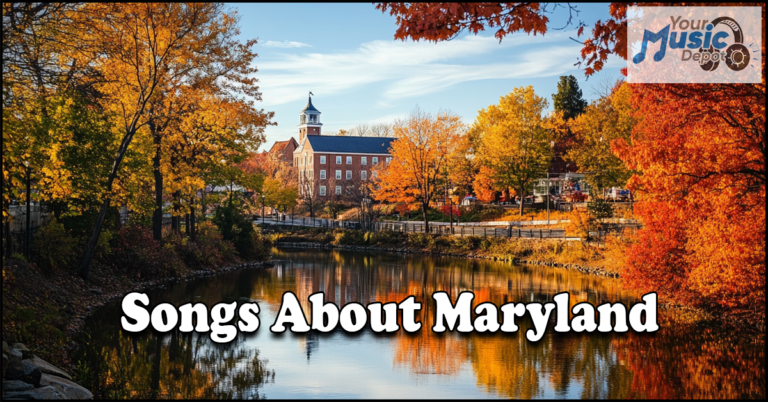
(444, 21)
(143, 47)
(36, 73)
(700, 152)
(462, 167)
(515, 140)
(211, 128)
(605, 120)
(270, 165)
(420, 154)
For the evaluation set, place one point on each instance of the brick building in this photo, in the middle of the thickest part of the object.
(331, 166)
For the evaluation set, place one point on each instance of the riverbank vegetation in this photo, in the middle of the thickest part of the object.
(605, 256)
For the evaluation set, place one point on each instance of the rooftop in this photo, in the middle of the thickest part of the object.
(345, 144)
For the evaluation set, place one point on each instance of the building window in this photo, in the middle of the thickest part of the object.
(322, 191)
(349, 160)
(349, 175)
(338, 190)
(374, 173)
(375, 160)
(389, 160)
(363, 160)
(338, 160)
(322, 175)
(322, 160)
(311, 173)
(338, 175)
(364, 175)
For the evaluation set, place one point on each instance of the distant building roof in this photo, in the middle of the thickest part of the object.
(279, 146)
(345, 144)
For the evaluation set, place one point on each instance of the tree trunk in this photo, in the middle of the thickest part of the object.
(176, 220)
(186, 228)
(193, 228)
(522, 199)
(424, 208)
(157, 217)
(85, 263)
(8, 239)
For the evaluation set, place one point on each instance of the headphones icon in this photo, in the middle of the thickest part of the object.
(737, 55)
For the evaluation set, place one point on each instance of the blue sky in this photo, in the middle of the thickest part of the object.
(347, 56)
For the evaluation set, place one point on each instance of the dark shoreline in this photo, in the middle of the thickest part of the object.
(78, 321)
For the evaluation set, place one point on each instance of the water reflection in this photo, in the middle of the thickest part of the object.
(676, 362)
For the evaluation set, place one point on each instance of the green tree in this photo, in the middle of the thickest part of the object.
(568, 98)
(605, 120)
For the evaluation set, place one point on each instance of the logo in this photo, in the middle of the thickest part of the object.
(690, 44)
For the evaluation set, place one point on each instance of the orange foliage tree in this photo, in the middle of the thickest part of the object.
(704, 194)
(699, 151)
(419, 158)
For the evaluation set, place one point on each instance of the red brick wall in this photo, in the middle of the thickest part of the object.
(331, 166)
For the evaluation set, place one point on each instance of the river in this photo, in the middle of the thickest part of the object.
(678, 361)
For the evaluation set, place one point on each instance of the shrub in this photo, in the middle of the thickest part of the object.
(56, 246)
(389, 237)
(600, 208)
(485, 243)
(465, 243)
(579, 225)
(137, 253)
(346, 236)
(208, 250)
(421, 240)
(237, 227)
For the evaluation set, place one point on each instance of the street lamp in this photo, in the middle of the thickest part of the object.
(450, 206)
(551, 144)
(262, 209)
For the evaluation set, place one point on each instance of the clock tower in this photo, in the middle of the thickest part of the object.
(309, 121)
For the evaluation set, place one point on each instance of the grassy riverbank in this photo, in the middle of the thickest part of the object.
(603, 258)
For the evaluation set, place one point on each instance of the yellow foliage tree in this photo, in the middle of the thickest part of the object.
(605, 119)
(419, 159)
(136, 49)
(516, 140)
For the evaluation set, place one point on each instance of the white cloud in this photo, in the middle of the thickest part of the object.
(284, 44)
(412, 69)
